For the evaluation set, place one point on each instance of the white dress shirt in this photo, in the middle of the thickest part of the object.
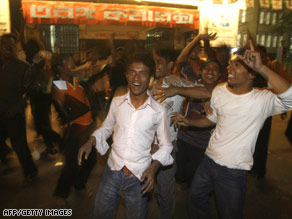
(133, 133)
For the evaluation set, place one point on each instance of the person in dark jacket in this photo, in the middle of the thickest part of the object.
(15, 81)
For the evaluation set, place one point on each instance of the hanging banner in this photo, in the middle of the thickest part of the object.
(220, 19)
(49, 12)
(249, 3)
(4, 17)
(277, 5)
(265, 3)
(289, 4)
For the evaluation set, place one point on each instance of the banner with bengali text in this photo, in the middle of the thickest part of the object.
(49, 12)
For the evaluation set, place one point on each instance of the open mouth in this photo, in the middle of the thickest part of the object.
(230, 76)
(209, 76)
(136, 85)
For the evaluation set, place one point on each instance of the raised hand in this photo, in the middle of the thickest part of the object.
(162, 93)
(178, 120)
(252, 58)
(210, 36)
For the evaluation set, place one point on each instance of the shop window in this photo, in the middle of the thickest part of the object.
(261, 17)
(268, 42)
(63, 39)
(274, 18)
(275, 40)
(244, 39)
(257, 39)
(267, 18)
(238, 44)
(242, 16)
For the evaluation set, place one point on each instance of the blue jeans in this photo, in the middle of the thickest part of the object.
(229, 185)
(113, 185)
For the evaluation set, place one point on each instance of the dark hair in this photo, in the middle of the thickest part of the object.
(211, 61)
(167, 53)
(9, 35)
(32, 48)
(145, 58)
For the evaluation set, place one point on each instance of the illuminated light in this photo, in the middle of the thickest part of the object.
(60, 163)
(234, 50)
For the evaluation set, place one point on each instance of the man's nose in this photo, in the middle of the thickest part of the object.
(136, 76)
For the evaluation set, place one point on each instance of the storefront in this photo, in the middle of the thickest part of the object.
(69, 26)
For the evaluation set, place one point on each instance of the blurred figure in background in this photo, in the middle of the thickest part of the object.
(40, 96)
(15, 81)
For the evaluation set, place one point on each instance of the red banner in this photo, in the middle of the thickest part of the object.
(48, 12)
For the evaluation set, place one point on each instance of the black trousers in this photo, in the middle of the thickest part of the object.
(261, 149)
(188, 158)
(41, 111)
(73, 174)
(288, 131)
(14, 128)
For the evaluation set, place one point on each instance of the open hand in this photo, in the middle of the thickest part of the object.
(178, 120)
(149, 178)
(86, 149)
(210, 36)
(162, 93)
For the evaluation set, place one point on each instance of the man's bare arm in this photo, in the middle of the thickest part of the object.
(183, 57)
(192, 92)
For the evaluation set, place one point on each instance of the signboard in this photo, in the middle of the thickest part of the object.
(4, 17)
(48, 12)
(220, 19)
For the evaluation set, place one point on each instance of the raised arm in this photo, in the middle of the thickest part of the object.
(253, 59)
(183, 57)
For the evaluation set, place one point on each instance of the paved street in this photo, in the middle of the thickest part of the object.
(269, 199)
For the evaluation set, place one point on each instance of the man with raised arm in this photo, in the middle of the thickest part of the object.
(239, 111)
(134, 119)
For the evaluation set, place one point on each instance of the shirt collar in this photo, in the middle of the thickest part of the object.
(148, 102)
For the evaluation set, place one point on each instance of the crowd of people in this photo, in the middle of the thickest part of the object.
(167, 117)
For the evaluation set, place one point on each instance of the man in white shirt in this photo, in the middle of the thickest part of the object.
(239, 112)
(134, 119)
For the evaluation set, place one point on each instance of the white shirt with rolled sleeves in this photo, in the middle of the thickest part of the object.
(239, 119)
(133, 133)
